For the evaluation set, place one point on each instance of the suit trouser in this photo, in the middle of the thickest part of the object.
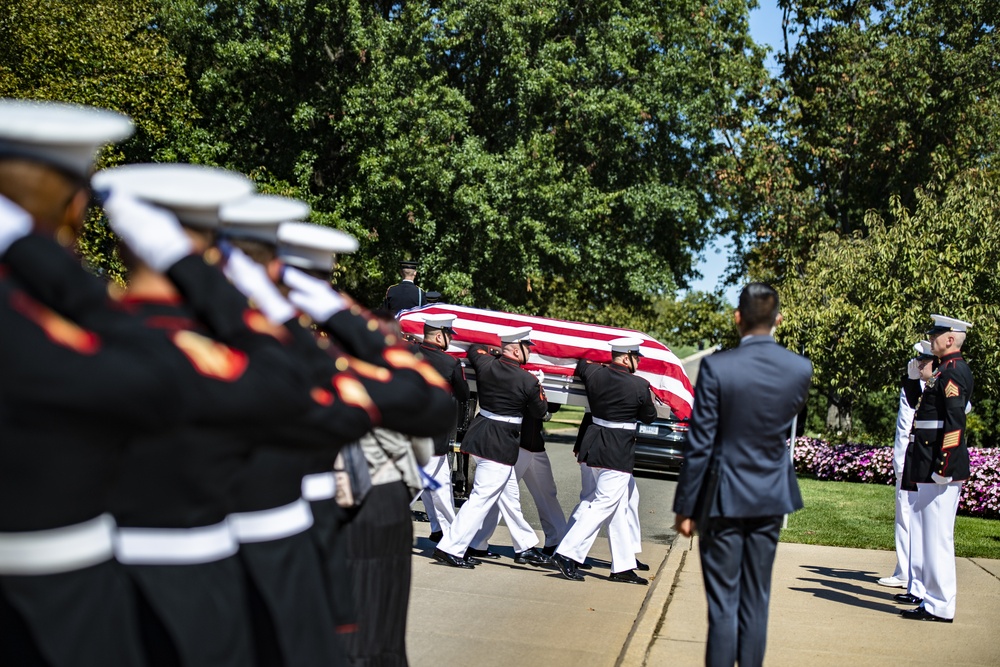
(903, 505)
(535, 470)
(495, 485)
(81, 617)
(440, 502)
(737, 556)
(936, 506)
(610, 505)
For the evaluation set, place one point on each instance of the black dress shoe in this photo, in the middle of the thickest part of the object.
(550, 551)
(567, 567)
(453, 561)
(921, 614)
(906, 598)
(436, 536)
(629, 577)
(584, 565)
(472, 560)
(532, 557)
(481, 553)
(642, 567)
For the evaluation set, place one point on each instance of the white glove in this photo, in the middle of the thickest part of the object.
(938, 479)
(152, 233)
(540, 375)
(547, 417)
(912, 370)
(313, 296)
(15, 223)
(251, 278)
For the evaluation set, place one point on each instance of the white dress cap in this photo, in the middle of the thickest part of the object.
(923, 349)
(444, 322)
(65, 136)
(193, 192)
(257, 217)
(629, 344)
(942, 324)
(313, 247)
(516, 335)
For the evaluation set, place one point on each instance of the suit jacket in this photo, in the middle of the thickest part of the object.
(745, 400)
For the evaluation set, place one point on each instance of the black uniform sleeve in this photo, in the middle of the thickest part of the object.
(459, 385)
(647, 408)
(956, 387)
(537, 404)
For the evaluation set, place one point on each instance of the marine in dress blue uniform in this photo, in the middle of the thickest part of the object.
(936, 466)
(440, 501)
(618, 399)
(506, 391)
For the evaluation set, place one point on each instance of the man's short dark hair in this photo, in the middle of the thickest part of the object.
(758, 306)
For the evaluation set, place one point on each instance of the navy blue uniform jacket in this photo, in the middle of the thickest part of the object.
(745, 400)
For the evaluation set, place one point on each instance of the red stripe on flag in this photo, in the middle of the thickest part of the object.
(588, 341)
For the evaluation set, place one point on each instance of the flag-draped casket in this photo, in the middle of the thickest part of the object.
(558, 346)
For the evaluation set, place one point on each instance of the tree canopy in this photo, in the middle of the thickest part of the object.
(863, 302)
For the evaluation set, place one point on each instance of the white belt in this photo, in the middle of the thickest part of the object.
(928, 425)
(625, 426)
(499, 418)
(272, 524)
(319, 486)
(175, 546)
(58, 549)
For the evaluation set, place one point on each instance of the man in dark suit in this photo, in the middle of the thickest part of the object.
(405, 294)
(744, 404)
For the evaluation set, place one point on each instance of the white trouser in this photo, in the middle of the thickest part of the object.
(535, 470)
(495, 485)
(915, 555)
(903, 505)
(634, 530)
(439, 503)
(588, 489)
(610, 505)
(936, 507)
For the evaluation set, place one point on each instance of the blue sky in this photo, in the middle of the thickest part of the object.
(765, 28)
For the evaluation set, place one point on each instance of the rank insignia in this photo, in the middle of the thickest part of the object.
(951, 439)
(951, 390)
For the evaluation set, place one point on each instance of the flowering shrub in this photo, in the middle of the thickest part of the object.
(857, 462)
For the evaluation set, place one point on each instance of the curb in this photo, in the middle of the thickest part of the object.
(654, 608)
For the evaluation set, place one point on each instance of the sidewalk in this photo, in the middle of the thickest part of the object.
(826, 609)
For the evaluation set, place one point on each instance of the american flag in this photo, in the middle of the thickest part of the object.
(558, 346)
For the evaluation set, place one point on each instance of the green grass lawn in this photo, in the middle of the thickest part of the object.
(844, 514)
(569, 416)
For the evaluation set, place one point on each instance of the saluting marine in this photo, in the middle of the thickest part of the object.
(937, 463)
(617, 399)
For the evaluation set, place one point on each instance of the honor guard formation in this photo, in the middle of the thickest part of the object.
(215, 465)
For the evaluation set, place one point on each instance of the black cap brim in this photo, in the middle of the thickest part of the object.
(934, 331)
